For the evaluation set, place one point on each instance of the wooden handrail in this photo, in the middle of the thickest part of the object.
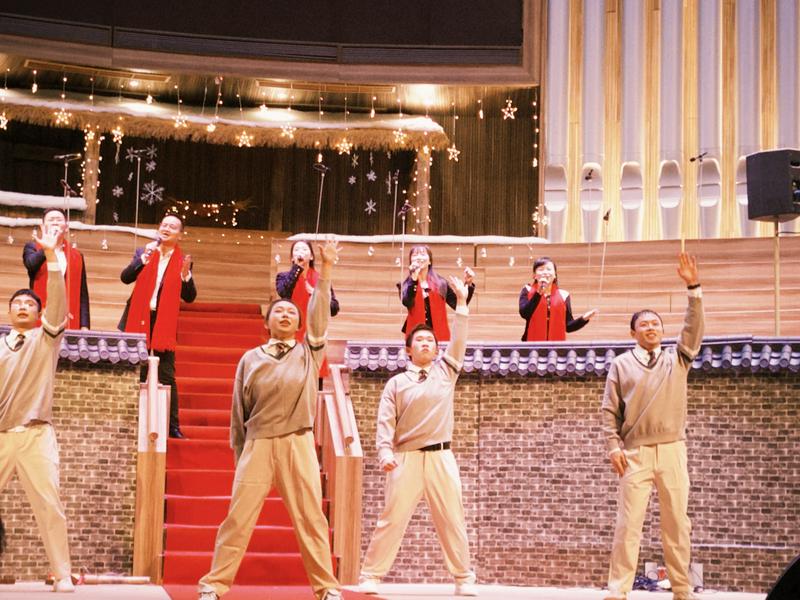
(336, 431)
(148, 531)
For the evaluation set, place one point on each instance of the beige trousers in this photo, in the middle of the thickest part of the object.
(435, 476)
(664, 465)
(290, 462)
(33, 454)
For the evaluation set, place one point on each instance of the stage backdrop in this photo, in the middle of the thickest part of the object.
(539, 494)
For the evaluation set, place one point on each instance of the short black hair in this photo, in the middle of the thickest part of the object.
(26, 292)
(420, 327)
(290, 301)
(172, 214)
(543, 260)
(639, 313)
(50, 209)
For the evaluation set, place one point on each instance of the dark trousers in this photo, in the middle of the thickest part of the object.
(166, 376)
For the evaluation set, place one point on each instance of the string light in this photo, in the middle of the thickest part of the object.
(35, 86)
(452, 151)
(509, 110)
(244, 139)
(179, 119)
(212, 127)
(400, 136)
(344, 146)
(372, 110)
(480, 108)
(3, 117)
(62, 116)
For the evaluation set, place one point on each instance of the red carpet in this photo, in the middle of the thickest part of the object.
(248, 592)
(211, 340)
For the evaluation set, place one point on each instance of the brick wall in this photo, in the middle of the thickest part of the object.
(540, 497)
(95, 414)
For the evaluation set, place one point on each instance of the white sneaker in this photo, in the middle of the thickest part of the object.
(466, 589)
(208, 596)
(368, 585)
(332, 594)
(64, 585)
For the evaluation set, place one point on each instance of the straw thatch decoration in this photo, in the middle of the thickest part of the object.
(368, 134)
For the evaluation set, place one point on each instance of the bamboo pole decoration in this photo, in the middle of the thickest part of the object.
(613, 121)
(574, 149)
(690, 211)
(729, 222)
(91, 170)
(651, 222)
(769, 84)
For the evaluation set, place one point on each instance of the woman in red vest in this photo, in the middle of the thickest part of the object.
(547, 310)
(425, 294)
(297, 285)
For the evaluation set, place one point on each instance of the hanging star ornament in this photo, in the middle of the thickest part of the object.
(400, 136)
(344, 147)
(453, 152)
(287, 131)
(62, 116)
(180, 122)
(509, 110)
(244, 139)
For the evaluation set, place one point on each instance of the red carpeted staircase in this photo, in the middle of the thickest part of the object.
(211, 340)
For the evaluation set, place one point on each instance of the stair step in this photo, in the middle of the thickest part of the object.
(206, 432)
(206, 324)
(219, 307)
(266, 538)
(199, 454)
(187, 369)
(209, 482)
(211, 354)
(256, 568)
(212, 510)
(205, 416)
(222, 340)
(201, 400)
(216, 385)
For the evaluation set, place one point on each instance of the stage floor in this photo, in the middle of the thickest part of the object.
(389, 591)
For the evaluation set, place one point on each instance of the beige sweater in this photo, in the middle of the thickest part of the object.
(414, 414)
(27, 376)
(274, 397)
(644, 406)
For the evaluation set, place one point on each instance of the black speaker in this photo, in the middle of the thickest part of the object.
(788, 585)
(773, 185)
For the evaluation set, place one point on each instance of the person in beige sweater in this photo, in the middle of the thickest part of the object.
(644, 425)
(274, 404)
(415, 428)
(28, 361)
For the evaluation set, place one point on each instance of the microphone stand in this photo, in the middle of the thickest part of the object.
(402, 214)
(138, 154)
(321, 169)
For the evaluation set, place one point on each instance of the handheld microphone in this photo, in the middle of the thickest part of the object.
(588, 176)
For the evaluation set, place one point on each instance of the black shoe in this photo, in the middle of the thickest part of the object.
(175, 432)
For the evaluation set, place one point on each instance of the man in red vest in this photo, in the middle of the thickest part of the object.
(163, 277)
(72, 266)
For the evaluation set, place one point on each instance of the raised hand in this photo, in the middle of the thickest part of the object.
(48, 240)
(330, 251)
(587, 316)
(469, 275)
(460, 289)
(186, 267)
(687, 269)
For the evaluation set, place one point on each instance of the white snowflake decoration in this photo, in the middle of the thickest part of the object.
(351, 180)
(115, 217)
(152, 193)
(151, 151)
(130, 176)
(371, 159)
(104, 244)
(371, 208)
(371, 175)
(117, 191)
(354, 161)
(150, 166)
(389, 184)
(509, 110)
(130, 154)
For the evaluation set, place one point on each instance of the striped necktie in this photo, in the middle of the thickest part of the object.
(19, 342)
(651, 361)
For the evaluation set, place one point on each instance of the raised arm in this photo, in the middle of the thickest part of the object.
(319, 305)
(458, 343)
(528, 305)
(691, 335)
(408, 292)
(131, 272)
(55, 313)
